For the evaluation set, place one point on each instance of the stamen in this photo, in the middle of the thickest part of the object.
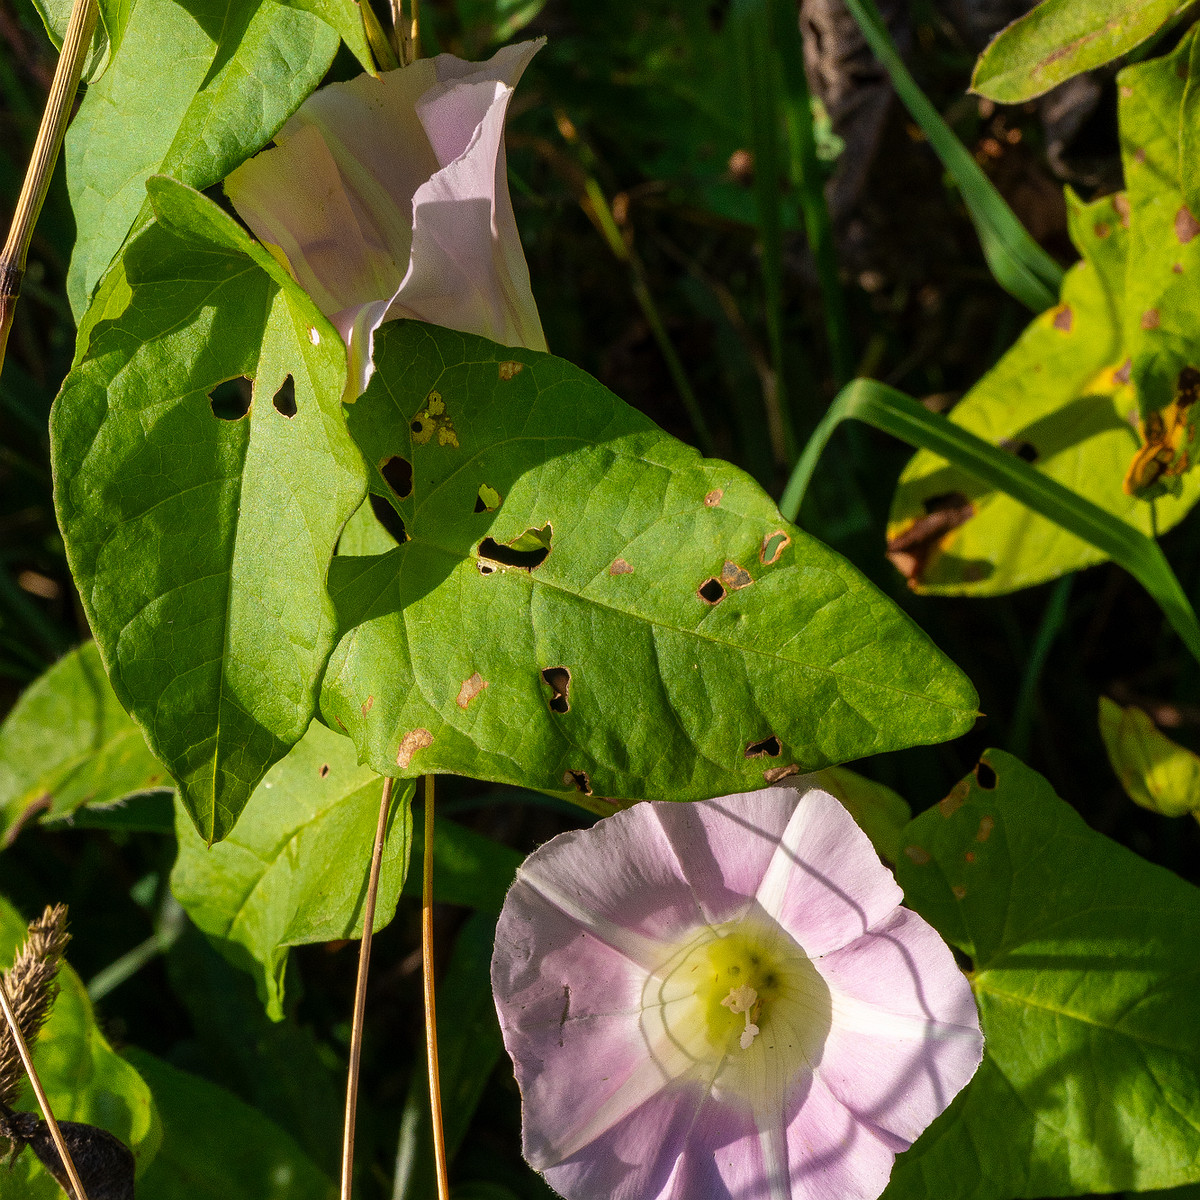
(744, 999)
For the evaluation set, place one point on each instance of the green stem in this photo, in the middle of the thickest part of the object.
(1018, 263)
(895, 413)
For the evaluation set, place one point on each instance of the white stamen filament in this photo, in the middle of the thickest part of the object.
(743, 999)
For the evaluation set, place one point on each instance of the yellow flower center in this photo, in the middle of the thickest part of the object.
(739, 1005)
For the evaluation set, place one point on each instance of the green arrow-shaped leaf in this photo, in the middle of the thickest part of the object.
(200, 544)
(294, 870)
(632, 620)
(1088, 984)
(237, 70)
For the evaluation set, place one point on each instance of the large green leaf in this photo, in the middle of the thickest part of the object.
(586, 606)
(294, 870)
(199, 544)
(1088, 984)
(215, 1147)
(84, 1078)
(68, 742)
(1062, 38)
(194, 87)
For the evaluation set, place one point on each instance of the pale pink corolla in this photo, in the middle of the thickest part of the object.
(388, 197)
(725, 1000)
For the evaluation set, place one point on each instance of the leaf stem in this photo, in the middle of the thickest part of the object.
(893, 412)
(431, 1049)
(57, 113)
(27, 1061)
(360, 990)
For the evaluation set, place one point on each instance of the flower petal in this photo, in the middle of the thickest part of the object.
(831, 1156)
(467, 269)
(725, 845)
(620, 881)
(825, 883)
(905, 1037)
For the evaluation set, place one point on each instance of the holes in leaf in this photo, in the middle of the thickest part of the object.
(911, 551)
(1025, 451)
(527, 551)
(388, 517)
(1187, 388)
(985, 775)
(579, 781)
(711, 591)
(559, 680)
(773, 545)
(487, 499)
(285, 399)
(230, 399)
(397, 474)
(769, 747)
(323, 773)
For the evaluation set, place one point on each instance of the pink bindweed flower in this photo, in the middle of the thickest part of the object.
(725, 999)
(388, 197)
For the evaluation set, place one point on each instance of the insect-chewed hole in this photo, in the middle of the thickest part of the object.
(398, 474)
(579, 781)
(388, 517)
(985, 775)
(559, 679)
(1025, 451)
(711, 591)
(529, 550)
(324, 771)
(487, 499)
(285, 398)
(769, 747)
(230, 399)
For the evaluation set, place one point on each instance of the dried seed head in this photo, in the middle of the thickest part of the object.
(31, 986)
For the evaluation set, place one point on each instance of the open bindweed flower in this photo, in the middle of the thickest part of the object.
(388, 197)
(725, 999)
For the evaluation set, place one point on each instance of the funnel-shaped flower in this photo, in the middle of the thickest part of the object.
(388, 197)
(725, 999)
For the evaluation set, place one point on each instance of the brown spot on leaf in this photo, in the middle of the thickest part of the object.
(579, 781)
(341, 724)
(1186, 225)
(366, 705)
(714, 497)
(773, 545)
(910, 552)
(1121, 203)
(969, 856)
(1101, 229)
(986, 825)
(917, 854)
(960, 892)
(1126, 91)
(470, 689)
(775, 774)
(1124, 371)
(323, 771)
(1150, 319)
(711, 591)
(559, 681)
(1177, 268)
(734, 577)
(410, 743)
(620, 567)
(1139, 156)
(953, 802)
(510, 368)
(1063, 319)
(769, 747)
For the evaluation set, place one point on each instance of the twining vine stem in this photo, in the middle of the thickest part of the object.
(431, 1049)
(360, 990)
(47, 1113)
(57, 113)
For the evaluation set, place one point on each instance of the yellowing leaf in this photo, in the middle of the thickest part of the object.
(1158, 773)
